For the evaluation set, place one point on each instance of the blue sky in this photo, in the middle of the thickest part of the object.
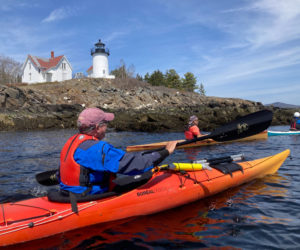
(247, 49)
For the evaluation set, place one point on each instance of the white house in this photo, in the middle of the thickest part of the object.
(36, 69)
(100, 62)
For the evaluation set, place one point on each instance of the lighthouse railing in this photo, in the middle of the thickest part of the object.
(99, 50)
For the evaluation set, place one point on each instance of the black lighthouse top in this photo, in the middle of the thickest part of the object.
(99, 48)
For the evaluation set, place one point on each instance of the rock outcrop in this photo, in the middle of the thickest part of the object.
(137, 106)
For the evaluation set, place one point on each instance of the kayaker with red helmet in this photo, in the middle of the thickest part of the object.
(87, 163)
(295, 125)
(192, 131)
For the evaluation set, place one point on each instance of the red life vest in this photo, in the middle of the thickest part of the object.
(71, 173)
(192, 132)
(293, 126)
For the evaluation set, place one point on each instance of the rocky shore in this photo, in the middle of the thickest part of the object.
(138, 106)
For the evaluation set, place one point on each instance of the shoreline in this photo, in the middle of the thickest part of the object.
(141, 107)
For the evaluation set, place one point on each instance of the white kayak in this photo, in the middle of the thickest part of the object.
(272, 133)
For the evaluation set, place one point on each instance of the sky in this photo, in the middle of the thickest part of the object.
(248, 49)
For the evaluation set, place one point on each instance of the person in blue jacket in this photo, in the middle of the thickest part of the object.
(295, 125)
(88, 164)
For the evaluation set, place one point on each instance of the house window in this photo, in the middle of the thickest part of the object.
(29, 76)
(63, 66)
(104, 72)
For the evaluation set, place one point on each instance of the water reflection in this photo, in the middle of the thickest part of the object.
(265, 209)
(191, 153)
(200, 222)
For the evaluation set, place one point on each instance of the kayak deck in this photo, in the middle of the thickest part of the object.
(38, 218)
(259, 136)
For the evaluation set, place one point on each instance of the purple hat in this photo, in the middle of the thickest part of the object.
(193, 118)
(93, 116)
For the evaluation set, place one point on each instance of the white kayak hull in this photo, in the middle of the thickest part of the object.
(272, 133)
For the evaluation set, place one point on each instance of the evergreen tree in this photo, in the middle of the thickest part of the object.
(201, 90)
(122, 72)
(147, 77)
(157, 78)
(189, 82)
(139, 77)
(173, 79)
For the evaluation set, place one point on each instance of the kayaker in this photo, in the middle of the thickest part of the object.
(295, 125)
(192, 131)
(87, 164)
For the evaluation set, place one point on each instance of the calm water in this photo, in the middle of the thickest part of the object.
(263, 214)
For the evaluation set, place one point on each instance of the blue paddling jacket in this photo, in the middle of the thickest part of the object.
(87, 164)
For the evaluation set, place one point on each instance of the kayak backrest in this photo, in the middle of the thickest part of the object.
(64, 197)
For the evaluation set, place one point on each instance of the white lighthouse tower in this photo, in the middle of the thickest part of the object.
(100, 62)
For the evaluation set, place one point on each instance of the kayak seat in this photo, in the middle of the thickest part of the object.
(228, 168)
(124, 183)
(62, 196)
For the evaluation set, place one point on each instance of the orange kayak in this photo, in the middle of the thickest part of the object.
(38, 218)
(259, 136)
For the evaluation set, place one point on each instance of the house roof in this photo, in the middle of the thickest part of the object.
(45, 64)
(90, 68)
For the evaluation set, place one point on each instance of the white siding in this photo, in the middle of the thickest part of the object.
(61, 72)
(31, 74)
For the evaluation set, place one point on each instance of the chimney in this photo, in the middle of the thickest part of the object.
(52, 54)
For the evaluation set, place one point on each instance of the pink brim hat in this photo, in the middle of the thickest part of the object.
(93, 116)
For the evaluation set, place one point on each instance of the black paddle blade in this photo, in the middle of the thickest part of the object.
(242, 127)
(245, 126)
(48, 178)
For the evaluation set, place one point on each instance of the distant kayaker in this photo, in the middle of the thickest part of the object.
(295, 125)
(88, 164)
(192, 131)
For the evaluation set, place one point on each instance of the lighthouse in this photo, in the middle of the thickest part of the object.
(100, 62)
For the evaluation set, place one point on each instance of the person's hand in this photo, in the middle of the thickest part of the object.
(171, 146)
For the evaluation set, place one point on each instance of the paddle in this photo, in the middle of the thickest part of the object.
(48, 178)
(242, 127)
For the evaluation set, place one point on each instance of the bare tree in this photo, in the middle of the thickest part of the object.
(124, 72)
(10, 70)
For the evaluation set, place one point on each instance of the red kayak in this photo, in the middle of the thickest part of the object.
(38, 218)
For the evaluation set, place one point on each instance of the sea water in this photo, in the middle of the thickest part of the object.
(262, 214)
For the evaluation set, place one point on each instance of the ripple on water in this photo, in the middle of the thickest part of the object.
(263, 214)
